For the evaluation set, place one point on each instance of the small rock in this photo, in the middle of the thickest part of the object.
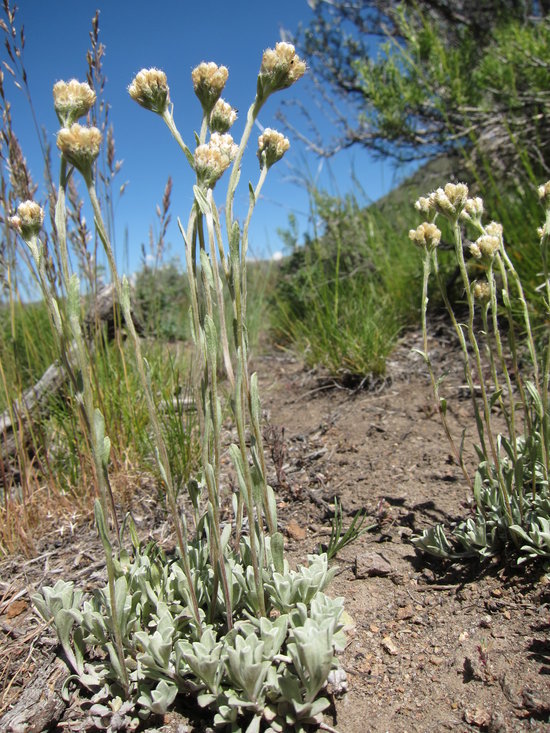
(371, 564)
(295, 531)
(388, 646)
(404, 613)
(477, 716)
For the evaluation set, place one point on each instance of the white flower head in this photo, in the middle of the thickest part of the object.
(426, 236)
(222, 117)
(149, 88)
(281, 67)
(272, 145)
(213, 158)
(80, 146)
(29, 219)
(72, 100)
(208, 82)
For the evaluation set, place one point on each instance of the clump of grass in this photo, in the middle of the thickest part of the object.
(345, 295)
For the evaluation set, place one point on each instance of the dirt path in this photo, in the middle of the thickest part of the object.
(430, 649)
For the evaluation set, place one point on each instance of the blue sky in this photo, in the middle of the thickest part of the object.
(175, 36)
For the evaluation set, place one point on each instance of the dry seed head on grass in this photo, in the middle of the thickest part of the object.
(272, 145)
(222, 117)
(426, 236)
(281, 67)
(72, 100)
(208, 82)
(80, 145)
(29, 219)
(149, 88)
(213, 158)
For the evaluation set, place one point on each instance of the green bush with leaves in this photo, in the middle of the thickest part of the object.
(510, 487)
(454, 76)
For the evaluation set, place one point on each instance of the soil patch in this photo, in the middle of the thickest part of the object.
(431, 647)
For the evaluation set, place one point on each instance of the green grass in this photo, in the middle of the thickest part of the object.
(27, 347)
(344, 296)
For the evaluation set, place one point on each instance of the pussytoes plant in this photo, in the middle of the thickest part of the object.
(510, 489)
(224, 620)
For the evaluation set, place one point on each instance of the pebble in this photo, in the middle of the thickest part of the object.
(371, 564)
(389, 646)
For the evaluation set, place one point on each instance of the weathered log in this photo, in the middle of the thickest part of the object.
(16, 421)
(40, 705)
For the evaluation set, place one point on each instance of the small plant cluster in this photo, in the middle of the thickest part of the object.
(224, 620)
(267, 671)
(510, 486)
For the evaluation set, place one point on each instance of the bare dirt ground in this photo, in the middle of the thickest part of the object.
(431, 647)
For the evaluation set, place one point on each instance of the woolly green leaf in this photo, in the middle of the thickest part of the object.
(73, 297)
(56, 317)
(202, 201)
(255, 407)
(106, 451)
(102, 527)
(495, 397)
(211, 339)
(535, 396)
(125, 295)
(272, 505)
(234, 245)
(207, 269)
(277, 551)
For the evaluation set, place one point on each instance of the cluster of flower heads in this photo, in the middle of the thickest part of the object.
(28, 220)
(448, 201)
(72, 100)
(281, 67)
(482, 292)
(222, 117)
(272, 145)
(213, 158)
(488, 244)
(453, 203)
(426, 236)
(149, 89)
(208, 82)
(79, 144)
